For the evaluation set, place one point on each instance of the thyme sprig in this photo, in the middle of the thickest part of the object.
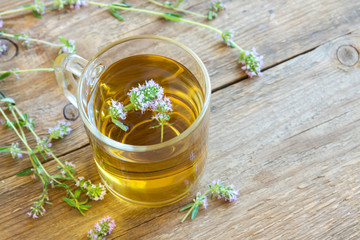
(174, 7)
(148, 96)
(16, 71)
(215, 188)
(19, 124)
(250, 60)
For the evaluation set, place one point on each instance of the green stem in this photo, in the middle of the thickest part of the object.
(129, 107)
(18, 123)
(162, 14)
(15, 130)
(21, 9)
(15, 10)
(178, 3)
(62, 165)
(201, 25)
(177, 9)
(236, 46)
(22, 118)
(29, 70)
(32, 40)
(124, 8)
(162, 133)
(192, 207)
(188, 213)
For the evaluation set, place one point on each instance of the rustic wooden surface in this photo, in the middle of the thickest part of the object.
(289, 140)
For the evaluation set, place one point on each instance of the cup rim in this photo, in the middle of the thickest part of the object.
(143, 148)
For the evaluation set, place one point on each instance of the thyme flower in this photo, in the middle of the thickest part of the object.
(228, 36)
(14, 71)
(229, 192)
(15, 151)
(101, 229)
(25, 39)
(216, 187)
(215, 8)
(43, 146)
(61, 129)
(95, 192)
(143, 96)
(67, 169)
(252, 62)
(116, 110)
(68, 46)
(77, 3)
(3, 48)
(38, 8)
(38, 207)
(162, 108)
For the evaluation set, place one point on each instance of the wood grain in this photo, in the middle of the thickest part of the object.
(279, 30)
(288, 140)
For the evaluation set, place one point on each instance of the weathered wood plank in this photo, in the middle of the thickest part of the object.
(288, 140)
(280, 30)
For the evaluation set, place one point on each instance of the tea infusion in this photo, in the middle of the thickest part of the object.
(159, 176)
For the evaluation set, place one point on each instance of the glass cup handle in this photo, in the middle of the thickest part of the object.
(68, 68)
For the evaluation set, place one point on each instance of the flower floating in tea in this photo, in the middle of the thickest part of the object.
(146, 97)
(116, 110)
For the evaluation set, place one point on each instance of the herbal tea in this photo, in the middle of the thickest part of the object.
(157, 177)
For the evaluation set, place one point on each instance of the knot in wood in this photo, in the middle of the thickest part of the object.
(70, 112)
(347, 55)
(11, 50)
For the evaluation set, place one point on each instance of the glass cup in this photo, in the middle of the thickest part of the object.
(150, 175)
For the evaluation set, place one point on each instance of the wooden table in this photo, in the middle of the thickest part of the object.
(289, 140)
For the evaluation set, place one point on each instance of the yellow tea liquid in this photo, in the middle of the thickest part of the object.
(150, 177)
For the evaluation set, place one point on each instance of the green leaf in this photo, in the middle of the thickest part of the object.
(175, 17)
(123, 4)
(178, 3)
(63, 40)
(85, 206)
(62, 185)
(25, 172)
(57, 176)
(2, 95)
(26, 5)
(210, 15)
(8, 100)
(5, 149)
(69, 201)
(84, 202)
(186, 207)
(42, 154)
(36, 14)
(195, 211)
(120, 124)
(77, 193)
(4, 75)
(82, 213)
(48, 202)
(114, 12)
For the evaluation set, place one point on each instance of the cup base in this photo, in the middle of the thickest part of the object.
(145, 204)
